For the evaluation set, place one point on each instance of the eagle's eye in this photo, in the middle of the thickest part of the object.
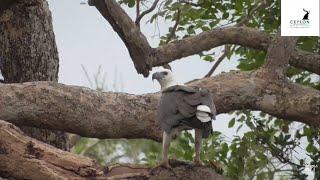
(165, 73)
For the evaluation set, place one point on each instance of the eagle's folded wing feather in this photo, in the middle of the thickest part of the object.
(179, 105)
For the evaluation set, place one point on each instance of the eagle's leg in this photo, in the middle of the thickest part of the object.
(198, 146)
(166, 139)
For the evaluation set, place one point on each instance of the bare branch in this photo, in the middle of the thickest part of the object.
(217, 63)
(205, 41)
(137, 8)
(104, 115)
(154, 5)
(243, 36)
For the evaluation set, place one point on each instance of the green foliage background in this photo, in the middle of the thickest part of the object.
(264, 147)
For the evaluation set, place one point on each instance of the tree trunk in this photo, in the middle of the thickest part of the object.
(28, 52)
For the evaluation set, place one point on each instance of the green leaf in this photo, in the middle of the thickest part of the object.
(208, 58)
(231, 122)
(131, 3)
(309, 148)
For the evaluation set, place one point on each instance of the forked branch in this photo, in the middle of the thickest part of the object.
(278, 55)
(220, 59)
(153, 6)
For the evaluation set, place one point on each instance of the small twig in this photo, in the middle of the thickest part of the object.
(171, 35)
(137, 8)
(221, 58)
(174, 28)
(250, 13)
(87, 75)
(154, 5)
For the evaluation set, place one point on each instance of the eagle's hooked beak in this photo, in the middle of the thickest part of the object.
(156, 76)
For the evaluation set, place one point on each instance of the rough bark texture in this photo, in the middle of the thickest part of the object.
(28, 52)
(22, 157)
(306, 60)
(278, 56)
(244, 36)
(119, 115)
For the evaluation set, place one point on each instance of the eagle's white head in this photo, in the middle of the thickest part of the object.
(165, 78)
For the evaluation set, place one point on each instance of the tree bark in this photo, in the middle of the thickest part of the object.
(119, 115)
(28, 52)
(23, 157)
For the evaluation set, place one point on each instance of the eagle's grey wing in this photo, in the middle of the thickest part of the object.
(187, 89)
(200, 97)
(178, 106)
(168, 114)
(179, 95)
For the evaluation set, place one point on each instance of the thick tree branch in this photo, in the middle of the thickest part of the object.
(305, 60)
(278, 55)
(145, 57)
(22, 157)
(244, 36)
(80, 110)
(136, 43)
(119, 115)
